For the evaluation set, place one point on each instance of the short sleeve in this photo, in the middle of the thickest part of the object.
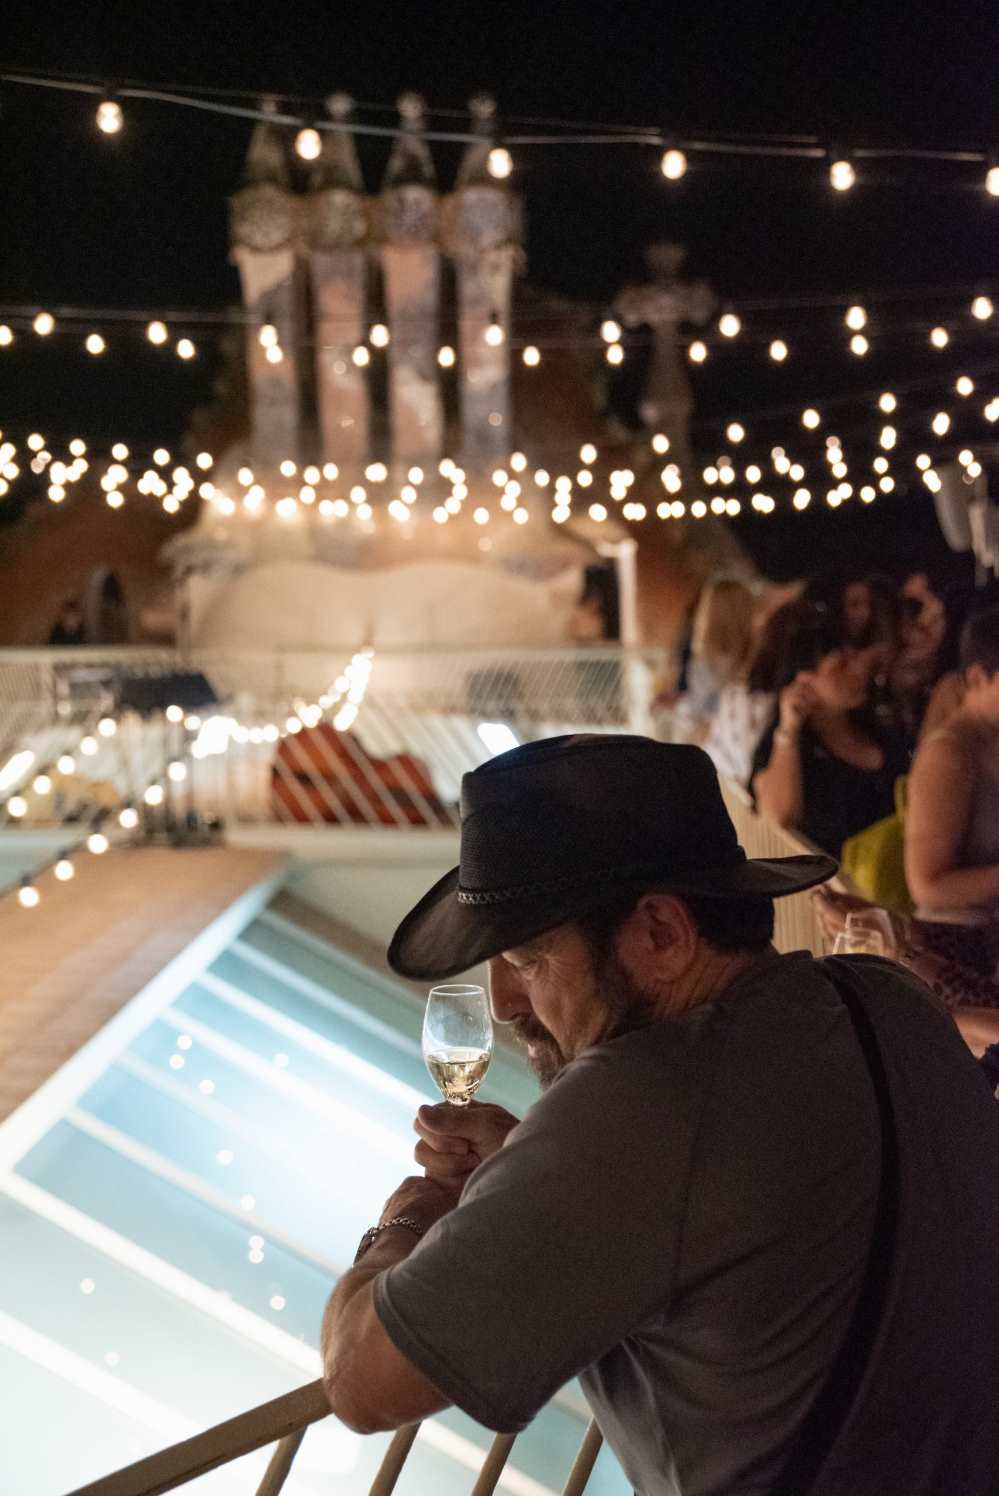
(566, 1240)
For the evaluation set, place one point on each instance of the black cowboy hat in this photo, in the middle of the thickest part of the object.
(559, 827)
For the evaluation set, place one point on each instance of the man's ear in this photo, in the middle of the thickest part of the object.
(667, 931)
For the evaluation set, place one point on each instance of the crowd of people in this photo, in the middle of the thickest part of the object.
(858, 703)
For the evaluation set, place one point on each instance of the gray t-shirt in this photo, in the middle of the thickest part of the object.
(683, 1221)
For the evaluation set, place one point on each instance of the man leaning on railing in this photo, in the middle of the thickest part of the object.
(755, 1208)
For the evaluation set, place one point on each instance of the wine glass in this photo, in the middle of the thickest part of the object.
(457, 1040)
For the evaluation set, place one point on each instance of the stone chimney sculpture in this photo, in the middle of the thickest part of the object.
(411, 269)
(336, 234)
(263, 220)
(482, 237)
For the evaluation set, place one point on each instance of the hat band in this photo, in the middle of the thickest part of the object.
(555, 885)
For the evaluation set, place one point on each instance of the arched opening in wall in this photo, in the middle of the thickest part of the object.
(106, 618)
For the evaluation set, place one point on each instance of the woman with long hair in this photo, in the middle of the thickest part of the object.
(825, 766)
(721, 644)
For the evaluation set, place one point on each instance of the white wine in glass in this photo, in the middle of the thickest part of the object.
(457, 1040)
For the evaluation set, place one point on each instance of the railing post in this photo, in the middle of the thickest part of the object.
(584, 1462)
(280, 1464)
(395, 1457)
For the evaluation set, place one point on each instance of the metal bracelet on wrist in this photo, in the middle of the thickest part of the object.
(374, 1232)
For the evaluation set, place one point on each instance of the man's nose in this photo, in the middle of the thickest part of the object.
(507, 996)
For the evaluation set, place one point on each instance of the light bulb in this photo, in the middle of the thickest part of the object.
(274, 355)
(494, 335)
(735, 432)
(308, 143)
(778, 350)
(95, 344)
(888, 437)
(887, 403)
(500, 163)
(445, 357)
(940, 424)
(64, 869)
(109, 117)
(810, 418)
(614, 354)
(992, 181)
(610, 331)
(856, 318)
(940, 337)
(17, 807)
(965, 386)
(267, 337)
(43, 324)
(729, 325)
(28, 896)
(697, 352)
(154, 795)
(128, 818)
(185, 348)
(673, 164)
(859, 344)
(982, 308)
(379, 335)
(157, 333)
(588, 453)
(361, 357)
(842, 175)
(97, 843)
(531, 356)
(6, 336)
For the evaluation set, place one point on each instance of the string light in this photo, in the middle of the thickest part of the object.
(97, 843)
(992, 181)
(531, 356)
(110, 119)
(856, 318)
(43, 324)
(939, 337)
(842, 175)
(185, 348)
(157, 332)
(982, 308)
(267, 337)
(810, 418)
(887, 403)
(859, 344)
(778, 350)
(499, 163)
(729, 325)
(610, 331)
(361, 357)
(940, 425)
(95, 344)
(379, 335)
(964, 386)
(6, 336)
(615, 353)
(446, 357)
(494, 335)
(697, 352)
(27, 895)
(673, 164)
(308, 143)
(735, 432)
(64, 869)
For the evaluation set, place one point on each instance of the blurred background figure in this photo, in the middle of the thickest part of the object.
(68, 627)
(721, 647)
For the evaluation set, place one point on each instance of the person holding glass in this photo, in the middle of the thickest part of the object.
(725, 1212)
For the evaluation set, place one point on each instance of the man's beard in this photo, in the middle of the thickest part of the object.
(624, 1004)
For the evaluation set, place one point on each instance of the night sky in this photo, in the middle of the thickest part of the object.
(139, 220)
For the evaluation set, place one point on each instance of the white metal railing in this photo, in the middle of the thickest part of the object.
(390, 751)
(283, 1422)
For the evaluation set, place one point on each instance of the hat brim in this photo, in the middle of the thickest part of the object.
(441, 937)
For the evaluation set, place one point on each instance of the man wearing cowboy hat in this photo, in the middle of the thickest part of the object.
(755, 1209)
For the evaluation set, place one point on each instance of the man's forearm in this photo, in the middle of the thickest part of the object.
(392, 1246)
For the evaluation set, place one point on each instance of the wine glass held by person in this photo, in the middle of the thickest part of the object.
(457, 1040)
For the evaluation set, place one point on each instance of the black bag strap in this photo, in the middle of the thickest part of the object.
(828, 1413)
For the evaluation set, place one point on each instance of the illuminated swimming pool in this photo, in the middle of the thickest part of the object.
(167, 1244)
